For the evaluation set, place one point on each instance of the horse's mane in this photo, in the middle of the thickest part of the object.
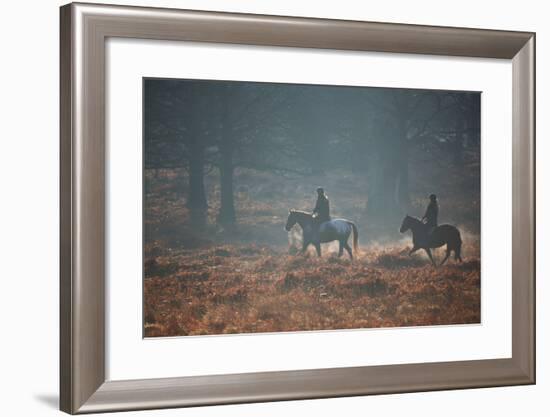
(300, 212)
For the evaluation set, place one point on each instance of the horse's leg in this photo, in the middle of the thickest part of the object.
(429, 252)
(348, 248)
(446, 256)
(305, 244)
(341, 248)
(318, 248)
(457, 253)
(413, 250)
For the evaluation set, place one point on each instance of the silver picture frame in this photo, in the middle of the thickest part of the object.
(84, 31)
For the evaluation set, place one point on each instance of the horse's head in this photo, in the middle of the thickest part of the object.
(406, 224)
(291, 220)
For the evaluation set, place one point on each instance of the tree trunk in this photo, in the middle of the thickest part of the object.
(226, 215)
(359, 164)
(315, 153)
(383, 178)
(197, 202)
(403, 196)
(382, 204)
(402, 192)
(458, 142)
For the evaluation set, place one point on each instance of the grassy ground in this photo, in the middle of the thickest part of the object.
(241, 289)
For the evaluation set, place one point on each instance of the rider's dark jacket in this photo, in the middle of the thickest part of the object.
(431, 214)
(322, 209)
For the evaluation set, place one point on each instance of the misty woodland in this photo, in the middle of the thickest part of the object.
(283, 207)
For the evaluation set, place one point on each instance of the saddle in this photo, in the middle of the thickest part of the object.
(318, 226)
(428, 232)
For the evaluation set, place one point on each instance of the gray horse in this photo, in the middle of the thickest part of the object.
(336, 229)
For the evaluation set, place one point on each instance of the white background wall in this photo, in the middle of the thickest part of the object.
(29, 205)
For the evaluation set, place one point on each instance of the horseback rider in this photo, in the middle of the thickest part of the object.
(321, 212)
(430, 217)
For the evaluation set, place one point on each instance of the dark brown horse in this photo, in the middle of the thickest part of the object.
(441, 235)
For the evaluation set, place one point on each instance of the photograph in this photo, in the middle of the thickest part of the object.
(271, 207)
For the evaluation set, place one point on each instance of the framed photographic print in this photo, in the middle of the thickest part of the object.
(260, 151)
(259, 208)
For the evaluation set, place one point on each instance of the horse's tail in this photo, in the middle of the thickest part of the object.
(355, 235)
(458, 250)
